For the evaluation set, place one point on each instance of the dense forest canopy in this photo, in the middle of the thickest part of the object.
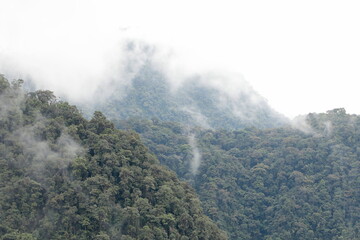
(65, 177)
(280, 183)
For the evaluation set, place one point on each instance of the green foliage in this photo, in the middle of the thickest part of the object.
(270, 184)
(63, 177)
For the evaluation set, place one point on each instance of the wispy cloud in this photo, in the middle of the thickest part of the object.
(196, 160)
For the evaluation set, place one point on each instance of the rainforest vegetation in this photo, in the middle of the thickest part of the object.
(279, 183)
(65, 177)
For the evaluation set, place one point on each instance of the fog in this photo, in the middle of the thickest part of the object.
(196, 160)
(301, 56)
(40, 153)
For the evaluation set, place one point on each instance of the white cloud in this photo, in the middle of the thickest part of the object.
(301, 56)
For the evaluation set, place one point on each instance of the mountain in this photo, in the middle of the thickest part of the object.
(65, 177)
(280, 183)
(194, 102)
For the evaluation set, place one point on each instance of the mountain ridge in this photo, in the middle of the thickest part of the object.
(193, 102)
(65, 177)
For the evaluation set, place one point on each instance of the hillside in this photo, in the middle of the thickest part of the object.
(193, 103)
(278, 183)
(65, 177)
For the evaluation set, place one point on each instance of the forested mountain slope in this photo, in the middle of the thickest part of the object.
(270, 184)
(193, 103)
(64, 177)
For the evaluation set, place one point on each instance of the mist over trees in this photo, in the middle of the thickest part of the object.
(65, 177)
(196, 101)
(170, 120)
(277, 183)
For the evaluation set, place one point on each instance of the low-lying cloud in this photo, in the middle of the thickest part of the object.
(41, 154)
(196, 159)
(38, 151)
(89, 58)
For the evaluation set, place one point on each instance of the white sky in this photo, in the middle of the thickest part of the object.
(302, 56)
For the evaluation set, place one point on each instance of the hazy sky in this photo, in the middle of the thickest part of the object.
(302, 56)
